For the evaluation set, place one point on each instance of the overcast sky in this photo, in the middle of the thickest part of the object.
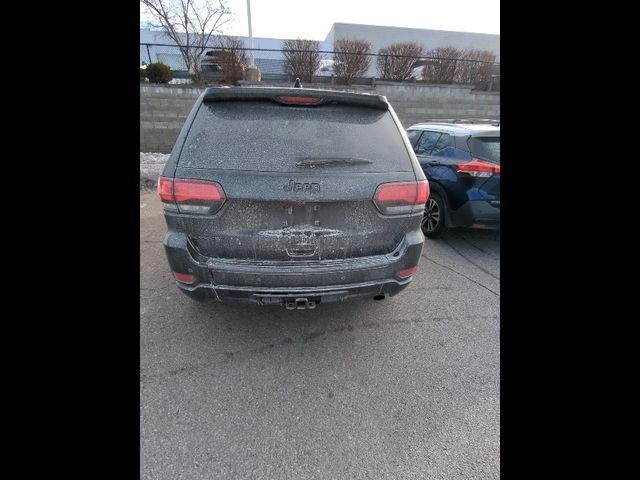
(312, 19)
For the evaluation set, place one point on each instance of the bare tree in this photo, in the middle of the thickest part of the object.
(301, 58)
(189, 23)
(396, 60)
(443, 64)
(233, 58)
(350, 59)
(476, 66)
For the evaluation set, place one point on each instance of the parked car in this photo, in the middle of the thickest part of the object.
(462, 163)
(419, 69)
(293, 197)
(212, 61)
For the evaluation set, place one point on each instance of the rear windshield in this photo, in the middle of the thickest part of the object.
(486, 147)
(263, 136)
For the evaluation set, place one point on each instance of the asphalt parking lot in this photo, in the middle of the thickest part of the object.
(407, 387)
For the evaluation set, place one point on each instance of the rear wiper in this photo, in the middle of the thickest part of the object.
(313, 162)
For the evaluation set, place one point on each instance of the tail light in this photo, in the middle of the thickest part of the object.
(477, 168)
(407, 272)
(191, 196)
(398, 198)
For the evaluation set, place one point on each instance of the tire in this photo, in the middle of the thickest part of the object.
(433, 220)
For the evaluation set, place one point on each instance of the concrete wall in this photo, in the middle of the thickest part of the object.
(415, 103)
(163, 109)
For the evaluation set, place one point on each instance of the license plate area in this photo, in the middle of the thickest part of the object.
(299, 300)
(290, 302)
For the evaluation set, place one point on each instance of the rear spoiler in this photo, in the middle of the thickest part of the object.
(218, 94)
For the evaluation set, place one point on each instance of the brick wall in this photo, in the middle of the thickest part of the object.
(163, 109)
(162, 113)
(415, 103)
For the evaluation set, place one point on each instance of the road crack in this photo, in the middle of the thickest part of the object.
(471, 261)
(462, 275)
(229, 356)
(487, 253)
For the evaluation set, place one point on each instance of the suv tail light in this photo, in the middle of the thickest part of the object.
(398, 198)
(477, 168)
(191, 196)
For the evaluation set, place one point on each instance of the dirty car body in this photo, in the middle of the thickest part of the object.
(292, 197)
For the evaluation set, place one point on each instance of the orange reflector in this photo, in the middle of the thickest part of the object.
(184, 277)
(407, 272)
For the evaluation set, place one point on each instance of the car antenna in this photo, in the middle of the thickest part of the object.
(297, 83)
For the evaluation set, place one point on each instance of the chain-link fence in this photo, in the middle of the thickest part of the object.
(226, 66)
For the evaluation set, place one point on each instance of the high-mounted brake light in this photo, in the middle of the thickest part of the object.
(191, 196)
(295, 100)
(477, 168)
(401, 197)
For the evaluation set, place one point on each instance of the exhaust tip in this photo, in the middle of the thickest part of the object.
(380, 297)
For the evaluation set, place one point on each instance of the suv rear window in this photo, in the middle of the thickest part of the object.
(264, 136)
(486, 147)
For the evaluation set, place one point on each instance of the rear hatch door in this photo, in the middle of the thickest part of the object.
(299, 180)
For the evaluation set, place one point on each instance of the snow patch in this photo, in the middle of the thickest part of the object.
(151, 166)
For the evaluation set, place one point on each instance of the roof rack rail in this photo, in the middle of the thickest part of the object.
(495, 122)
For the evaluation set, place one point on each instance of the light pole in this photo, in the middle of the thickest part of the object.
(250, 34)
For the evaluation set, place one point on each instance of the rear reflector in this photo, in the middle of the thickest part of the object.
(291, 100)
(407, 272)
(477, 168)
(184, 277)
(401, 197)
(191, 196)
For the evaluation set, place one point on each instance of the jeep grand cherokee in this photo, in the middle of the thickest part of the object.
(293, 197)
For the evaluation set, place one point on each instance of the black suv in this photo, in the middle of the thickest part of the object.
(292, 196)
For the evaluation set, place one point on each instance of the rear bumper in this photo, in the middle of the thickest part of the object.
(300, 298)
(476, 212)
(282, 282)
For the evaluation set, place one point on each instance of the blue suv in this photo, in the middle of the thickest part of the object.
(462, 163)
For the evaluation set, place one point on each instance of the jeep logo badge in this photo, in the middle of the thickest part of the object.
(302, 187)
